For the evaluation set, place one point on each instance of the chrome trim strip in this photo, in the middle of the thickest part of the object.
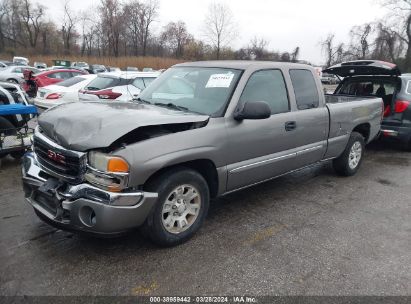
(107, 174)
(303, 151)
(274, 177)
(42, 137)
(310, 149)
(38, 136)
(263, 162)
(73, 192)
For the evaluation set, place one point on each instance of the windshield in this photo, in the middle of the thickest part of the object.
(101, 83)
(201, 90)
(71, 81)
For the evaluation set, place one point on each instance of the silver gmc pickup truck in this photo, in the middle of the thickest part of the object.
(201, 130)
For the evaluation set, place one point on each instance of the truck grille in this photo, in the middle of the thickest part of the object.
(58, 161)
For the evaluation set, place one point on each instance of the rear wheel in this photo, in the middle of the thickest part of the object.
(350, 160)
(183, 201)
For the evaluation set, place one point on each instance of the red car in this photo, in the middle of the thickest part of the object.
(42, 79)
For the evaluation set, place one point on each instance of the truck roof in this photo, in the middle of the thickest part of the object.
(243, 64)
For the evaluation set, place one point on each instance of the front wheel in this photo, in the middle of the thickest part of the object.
(350, 160)
(183, 201)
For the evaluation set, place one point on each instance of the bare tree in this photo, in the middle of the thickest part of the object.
(295, 54)
(68, 27)
(219, 26)
(176, 36)
(31, 17)
(257, 48)
(112, 21)
(333, 53)
(140, 18)
(402, 11)
(360, 45)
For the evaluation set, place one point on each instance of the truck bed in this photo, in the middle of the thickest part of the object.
(347, 112)
(330, 98)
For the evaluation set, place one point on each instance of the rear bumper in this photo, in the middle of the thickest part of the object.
(84, 207)
(400, 133)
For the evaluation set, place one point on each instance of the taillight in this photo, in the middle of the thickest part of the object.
(53, 96)
(401, 106)
(107, 94)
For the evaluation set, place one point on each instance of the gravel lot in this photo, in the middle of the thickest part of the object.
(309, 233)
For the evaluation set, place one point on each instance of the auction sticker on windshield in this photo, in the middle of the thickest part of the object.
(220, 80)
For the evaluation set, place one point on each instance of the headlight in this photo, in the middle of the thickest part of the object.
(107, 172)
(107, 163)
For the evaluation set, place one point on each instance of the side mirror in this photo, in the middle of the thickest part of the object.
(253, 110)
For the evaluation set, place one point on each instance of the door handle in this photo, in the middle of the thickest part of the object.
(290, 126)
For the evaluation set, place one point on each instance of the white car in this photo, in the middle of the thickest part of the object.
(14, 74)
(62, 92)
(124, 86)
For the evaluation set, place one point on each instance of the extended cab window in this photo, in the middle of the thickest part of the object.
(305, 89)
(268, 86)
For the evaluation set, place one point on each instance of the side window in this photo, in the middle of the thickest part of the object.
(18, 70)
(53, 75)
(138, 83)
(268, 86)
(65, 75)
(305, 89)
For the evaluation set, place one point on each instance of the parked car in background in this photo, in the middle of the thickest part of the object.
(20, 60)
(329, 79)
(112, 69)
(384, 80)
(48, 77)
(15, 112)
(40, 65)
(80, 65)
(62, 92)
(5, 63)
(15, 74)
(123, 86)
(202, 130)
(148, 70)
(15, 91)
(97, 68)
(132, 69)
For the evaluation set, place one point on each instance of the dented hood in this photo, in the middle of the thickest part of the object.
(83, 126)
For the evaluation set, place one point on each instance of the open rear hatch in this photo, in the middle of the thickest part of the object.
(363, 68)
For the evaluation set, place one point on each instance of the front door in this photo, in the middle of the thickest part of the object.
(262, 149)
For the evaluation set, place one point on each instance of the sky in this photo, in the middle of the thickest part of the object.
(284, 23)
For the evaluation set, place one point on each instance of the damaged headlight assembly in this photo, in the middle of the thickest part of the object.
(107, 172)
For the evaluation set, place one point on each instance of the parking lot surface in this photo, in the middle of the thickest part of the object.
(308, 233)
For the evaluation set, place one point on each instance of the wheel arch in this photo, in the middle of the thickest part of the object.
(364, 129)
(205, 167)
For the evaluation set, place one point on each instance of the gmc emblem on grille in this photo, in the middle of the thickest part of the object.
(58, 158)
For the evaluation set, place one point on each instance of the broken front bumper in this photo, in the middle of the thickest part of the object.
(83, 207)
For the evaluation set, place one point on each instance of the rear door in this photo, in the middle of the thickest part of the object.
(311, 118)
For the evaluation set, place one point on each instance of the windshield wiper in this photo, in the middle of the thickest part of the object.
(142, 100)
(171, 106)
(93, 89)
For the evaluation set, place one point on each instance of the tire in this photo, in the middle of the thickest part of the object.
(350, 160)
(12, 81)
(162, 225)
